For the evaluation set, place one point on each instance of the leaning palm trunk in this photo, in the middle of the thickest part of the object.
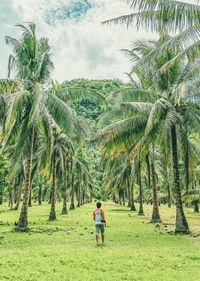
(23, 219)
(52, 215)
(141, 212)
(181, 222)
(148, 170)
(155, 215)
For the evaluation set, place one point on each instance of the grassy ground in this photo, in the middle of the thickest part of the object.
(65, 250)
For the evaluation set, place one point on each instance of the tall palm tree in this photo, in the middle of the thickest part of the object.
(170, 92)
(30, 107)
(60, 151)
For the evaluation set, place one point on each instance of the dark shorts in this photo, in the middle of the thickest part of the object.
(100, 228)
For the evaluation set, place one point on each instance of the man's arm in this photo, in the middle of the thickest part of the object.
(94, 215)
(103, 216)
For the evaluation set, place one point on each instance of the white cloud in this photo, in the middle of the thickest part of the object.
(83, 49)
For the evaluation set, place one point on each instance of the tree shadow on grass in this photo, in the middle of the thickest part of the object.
(120, 210)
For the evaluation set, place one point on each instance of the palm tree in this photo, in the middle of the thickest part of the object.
(62, 147)
(30, 107)
(81, 181)
(168, 17)
(170, 93)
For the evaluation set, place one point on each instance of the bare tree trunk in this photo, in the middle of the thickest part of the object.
(181, 222)
(72, 205)
(30, 197)
(1, 197)
(186, 162)
(40, 195)
(44, 193)
(141, 211)
(11, 201)
(79, 196)
(148, 170)
(52, 215)
(132, 197)
(64, 208)
(18, 198)
(16, 191)
(129, 193)
(155, 215)
(196, 206)
(23, 219)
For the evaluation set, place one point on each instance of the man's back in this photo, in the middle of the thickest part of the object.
(99, 216)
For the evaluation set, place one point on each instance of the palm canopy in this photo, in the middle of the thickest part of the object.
(31, 56)
(159, 100)
(182, 19)
(30, 107)
(162, 15)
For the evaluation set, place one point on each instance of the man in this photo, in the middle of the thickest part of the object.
(100, 221)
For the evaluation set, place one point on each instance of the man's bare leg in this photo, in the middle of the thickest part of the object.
(97, 238)
(102, 238)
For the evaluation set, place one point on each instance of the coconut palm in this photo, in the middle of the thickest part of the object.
(60, 151)
(30, 107)
(81, 181)
(171, 83)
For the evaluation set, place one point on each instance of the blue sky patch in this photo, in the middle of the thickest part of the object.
(73, 11)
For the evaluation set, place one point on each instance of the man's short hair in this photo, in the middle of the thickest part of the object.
(98, 205)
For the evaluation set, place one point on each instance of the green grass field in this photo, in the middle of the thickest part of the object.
(65, 250)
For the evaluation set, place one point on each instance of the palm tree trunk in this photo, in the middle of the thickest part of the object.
(120, 201)
(196, 206)
(148, 170)
(187, 174)
(129, 193)
(72, 205)
(123, 197)
(132, 206)
(52, 215)
(32, 176)
(141, 211)
(30, 197)
(169, 202)
(18, 198)
(40, 195)
(79, 196)
(64, 208)
(44, 193)
(1, 197)
(16, 190)
(11, 197)
(181, 222)
(23, 219)
(155, 215)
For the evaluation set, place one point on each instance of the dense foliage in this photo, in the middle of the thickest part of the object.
(84, 139)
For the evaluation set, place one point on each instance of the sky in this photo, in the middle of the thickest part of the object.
(81, 46)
